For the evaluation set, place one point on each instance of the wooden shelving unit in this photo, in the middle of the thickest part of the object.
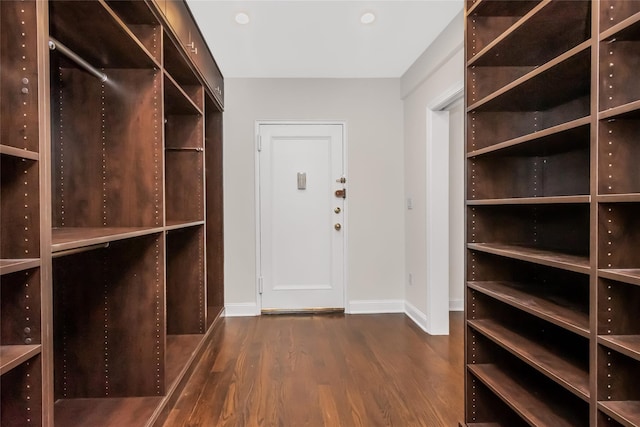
(21, 269)
(111, 204)
(553, 208)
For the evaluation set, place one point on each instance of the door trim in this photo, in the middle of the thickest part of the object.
(437, 209)
(258, 230)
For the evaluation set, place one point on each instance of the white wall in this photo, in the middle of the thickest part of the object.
(439, 68)
(372, 109)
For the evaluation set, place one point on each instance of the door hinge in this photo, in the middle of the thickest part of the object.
(260, 285)
(259, 142)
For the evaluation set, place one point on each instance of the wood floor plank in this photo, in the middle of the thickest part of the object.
(325, 370)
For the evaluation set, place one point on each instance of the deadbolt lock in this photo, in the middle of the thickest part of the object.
(337, 227)
(341, 180)
(337, 210)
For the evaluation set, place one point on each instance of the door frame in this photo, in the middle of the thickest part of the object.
(345, 230)
(437, 209)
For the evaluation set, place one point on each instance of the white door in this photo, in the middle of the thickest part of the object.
(301, 220)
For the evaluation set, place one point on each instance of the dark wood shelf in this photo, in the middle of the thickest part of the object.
(528, 402)
(98, 35)
(175, 62)
(553, 200)
(555, 366)
(105, 412)
(626, 413)
(547, 20)
(14, 355)
(619, 198)
(630, 110)
(629, 345)
(578, 264)
(133, 12)
(20, 153)
(560, 313)
(179, 225)
(525, 94)
(176, 100)
(625, 30)
(180, 350)
(627, 275)
(79, 237)
(501, 8)
(555, 139)
(8, 266)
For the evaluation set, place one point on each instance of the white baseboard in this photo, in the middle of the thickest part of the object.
(456, 305)
(242, 309)
(247, 309)
(418, 317)
(376, 306)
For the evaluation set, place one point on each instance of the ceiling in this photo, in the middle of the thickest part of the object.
(320, 39)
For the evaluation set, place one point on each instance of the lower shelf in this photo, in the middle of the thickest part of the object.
(105, 412)
(558, 367)
(182, 354)
(528, 403)
(180, 348)
(625, 412)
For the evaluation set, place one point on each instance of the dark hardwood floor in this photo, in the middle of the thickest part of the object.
(326, 370)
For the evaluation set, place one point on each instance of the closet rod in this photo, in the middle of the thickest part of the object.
(79, 250)
(56, 45)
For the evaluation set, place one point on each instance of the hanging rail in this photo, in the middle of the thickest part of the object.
(56, 45)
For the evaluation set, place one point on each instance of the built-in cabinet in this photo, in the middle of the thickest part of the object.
(111, 209)
(553, 213)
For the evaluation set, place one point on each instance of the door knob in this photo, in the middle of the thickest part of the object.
(337, 227)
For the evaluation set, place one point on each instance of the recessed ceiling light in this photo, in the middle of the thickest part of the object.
(367, 18)
(242, 18)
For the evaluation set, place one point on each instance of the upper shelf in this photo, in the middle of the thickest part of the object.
(97, 34)
(549, 29)
(553, 200)
(568, 262)
(502, 7)
(569, 74)
(619, 18)
(177, 101)
(557, 139)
